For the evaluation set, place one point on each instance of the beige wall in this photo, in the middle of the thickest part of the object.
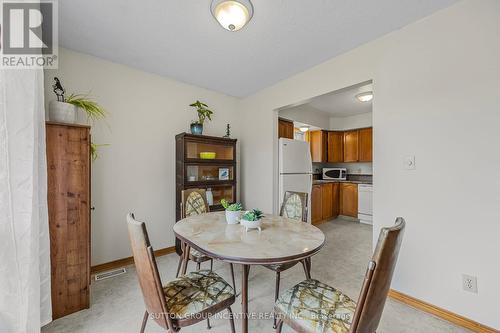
(436, 97)
(357, 121)
(136, 172)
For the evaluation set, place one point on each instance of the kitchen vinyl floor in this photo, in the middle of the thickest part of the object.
(117, 304)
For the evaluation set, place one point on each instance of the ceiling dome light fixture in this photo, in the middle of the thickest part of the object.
(232, 15)
(365, 96)
(304, 128)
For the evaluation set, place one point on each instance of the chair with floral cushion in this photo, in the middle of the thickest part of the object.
(194, 202)
(182, 302)
(294, 207)
(314, 307)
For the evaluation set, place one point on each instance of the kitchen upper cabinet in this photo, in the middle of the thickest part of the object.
(318, 141)
(316, 204)
(335, 147)
(335, 199)
(349, 199)
(351, 139)
(326, 201)
(285, 128)
(365, 144)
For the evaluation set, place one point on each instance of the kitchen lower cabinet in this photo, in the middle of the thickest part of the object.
(326, 201)
(335, 200)
(349, 199)
(316, 204)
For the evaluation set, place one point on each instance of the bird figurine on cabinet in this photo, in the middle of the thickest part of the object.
(58, 90)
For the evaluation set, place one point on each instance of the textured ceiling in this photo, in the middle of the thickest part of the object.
(180, 39)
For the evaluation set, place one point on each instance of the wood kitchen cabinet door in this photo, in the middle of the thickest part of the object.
(335, 146)
(326, 201)
(316, 204)
(285, 128)
(365, 144)
(318, 142)
(349, 199)
(351, 146)
(335, 199)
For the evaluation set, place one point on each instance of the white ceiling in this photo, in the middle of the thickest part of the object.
(343, 103)
(180, 38)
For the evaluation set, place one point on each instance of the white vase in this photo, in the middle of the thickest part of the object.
(210, 197)
(251, 224)
(62, 112)
(233, 217)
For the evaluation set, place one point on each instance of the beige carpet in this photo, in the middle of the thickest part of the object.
(117, 304)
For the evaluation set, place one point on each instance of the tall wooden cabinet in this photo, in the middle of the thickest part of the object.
(351, 146)
(335, 147)
(68, 194)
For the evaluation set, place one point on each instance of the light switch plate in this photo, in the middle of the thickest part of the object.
(409, 162)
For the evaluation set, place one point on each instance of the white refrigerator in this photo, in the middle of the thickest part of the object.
(295, 169)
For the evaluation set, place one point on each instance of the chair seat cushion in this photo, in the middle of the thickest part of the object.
(195, 292)
(317, 307)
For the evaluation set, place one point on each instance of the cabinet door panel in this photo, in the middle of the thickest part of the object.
(285, 129)
(335, 146)
(335, 199)
(349, 199)
(351, 146)
(316, 203)
(365, 144)
(326, 196)
(318, 141)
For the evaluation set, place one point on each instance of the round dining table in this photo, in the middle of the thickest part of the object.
(280, 240)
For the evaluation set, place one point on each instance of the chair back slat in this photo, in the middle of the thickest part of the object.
(294, 206)
(378, 279)
(194, 202)
(147, 272)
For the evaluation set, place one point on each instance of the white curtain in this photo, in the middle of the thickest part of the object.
(25, 303)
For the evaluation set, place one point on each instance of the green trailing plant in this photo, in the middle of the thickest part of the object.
(235, 207)
(203, 112)
(94, 154)
(93, 110)
(252, 215)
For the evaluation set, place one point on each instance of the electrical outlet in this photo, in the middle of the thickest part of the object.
(469, 283)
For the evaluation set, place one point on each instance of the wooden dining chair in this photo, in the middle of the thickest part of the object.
(313, 307)
(182, 302)
(294, 207)
(194, 202)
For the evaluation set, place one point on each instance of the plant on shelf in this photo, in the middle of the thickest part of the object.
(233, 211)
(203, 113)
(65, 109)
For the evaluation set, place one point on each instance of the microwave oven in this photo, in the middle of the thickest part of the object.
(335, 173)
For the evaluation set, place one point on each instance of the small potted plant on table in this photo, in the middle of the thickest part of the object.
(233, 211)
(252, 219)
(203, 113)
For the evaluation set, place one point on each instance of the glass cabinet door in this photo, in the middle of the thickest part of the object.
(209, 173)
(209, 151)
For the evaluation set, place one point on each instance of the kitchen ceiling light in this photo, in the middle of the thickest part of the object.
(304, 129)
(365, 96)
(232, 15)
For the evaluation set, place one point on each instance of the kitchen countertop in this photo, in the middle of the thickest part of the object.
(318, 182)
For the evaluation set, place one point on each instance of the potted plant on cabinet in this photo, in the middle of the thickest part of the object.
(203, 113)
(252, 219)
(64, 109)
(233, 211)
